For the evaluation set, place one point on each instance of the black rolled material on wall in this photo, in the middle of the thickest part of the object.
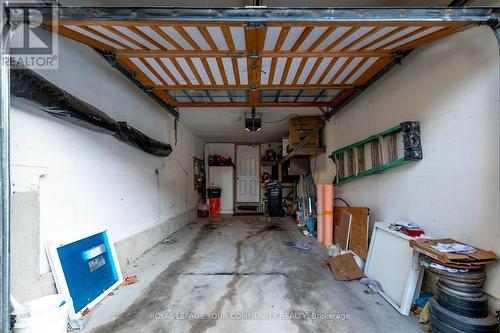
(55, 101)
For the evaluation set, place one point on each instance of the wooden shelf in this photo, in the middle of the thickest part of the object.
(310, 151)
(304, 152)
(268, 163)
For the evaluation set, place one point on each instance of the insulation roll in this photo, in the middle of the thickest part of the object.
(328, 215)
(320, 211)
(49, 98)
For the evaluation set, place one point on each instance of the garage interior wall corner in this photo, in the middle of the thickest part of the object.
(70, 182)
(452, 88)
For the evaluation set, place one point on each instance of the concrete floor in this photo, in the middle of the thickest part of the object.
(216, 272)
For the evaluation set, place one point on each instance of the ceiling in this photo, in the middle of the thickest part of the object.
(227, 124)
(213, 64)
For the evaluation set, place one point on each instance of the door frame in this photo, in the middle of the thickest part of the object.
(259, 201)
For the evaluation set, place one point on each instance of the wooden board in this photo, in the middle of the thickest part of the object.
(344, 229)
(344, 268)
(358, 240)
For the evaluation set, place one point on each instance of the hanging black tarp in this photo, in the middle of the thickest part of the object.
(55, 101)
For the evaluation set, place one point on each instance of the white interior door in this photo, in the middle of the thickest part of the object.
(247, 175)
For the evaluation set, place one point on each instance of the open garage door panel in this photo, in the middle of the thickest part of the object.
(247, 63)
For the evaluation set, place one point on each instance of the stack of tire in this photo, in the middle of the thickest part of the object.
(460, 306)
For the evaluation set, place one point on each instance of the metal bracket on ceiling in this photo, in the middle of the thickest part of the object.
(495, 26)
(111, 59)
(255, 25)
(397, 57)
(323, 110)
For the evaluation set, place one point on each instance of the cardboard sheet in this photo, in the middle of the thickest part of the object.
(344, 268)
(424, 246)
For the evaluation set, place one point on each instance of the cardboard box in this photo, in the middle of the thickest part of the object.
(299, 127)
(479, 257)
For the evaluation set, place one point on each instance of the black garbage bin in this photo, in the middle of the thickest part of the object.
(275, 196)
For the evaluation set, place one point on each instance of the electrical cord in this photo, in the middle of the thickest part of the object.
(278, 121)
(172, 158)
(340, 199)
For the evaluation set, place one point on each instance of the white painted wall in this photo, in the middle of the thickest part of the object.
(452, 88)
(90, 180)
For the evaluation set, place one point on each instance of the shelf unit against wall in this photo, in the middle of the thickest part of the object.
(304, 152)
(301, 150)
(309, 152)
(388, 149)
(268, 163)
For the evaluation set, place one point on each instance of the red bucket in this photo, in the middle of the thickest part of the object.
(214, 206)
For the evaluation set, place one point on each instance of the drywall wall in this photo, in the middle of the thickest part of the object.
(452, 88)
(87, 181)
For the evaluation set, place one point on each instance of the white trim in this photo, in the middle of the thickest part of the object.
(62, 285)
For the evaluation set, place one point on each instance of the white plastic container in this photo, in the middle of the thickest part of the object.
(43, 315)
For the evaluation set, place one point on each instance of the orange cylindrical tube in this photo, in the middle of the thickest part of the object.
(328, 216)
(320, 195)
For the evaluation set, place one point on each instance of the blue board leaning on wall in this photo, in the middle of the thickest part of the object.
(85, 270)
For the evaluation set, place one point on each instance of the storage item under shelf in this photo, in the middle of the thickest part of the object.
(223, 177)
(299, 127)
